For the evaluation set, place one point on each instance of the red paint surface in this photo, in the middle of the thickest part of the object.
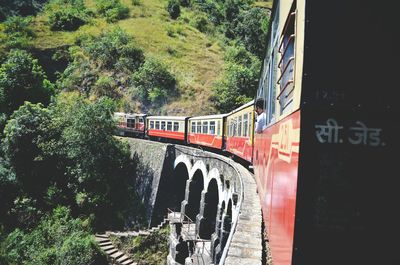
(240, 146)
(276, 170)
(139, 127)
(166, 134)
(208, 140)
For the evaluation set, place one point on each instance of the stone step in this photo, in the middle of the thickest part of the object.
(116, 255)
(102, 235)
(111, 251)
(101, 240)
(104, 244)
(128, 262)
(105, 248)
(144, 233)
(123, 258)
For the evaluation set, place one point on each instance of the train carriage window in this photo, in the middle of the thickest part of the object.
(212, 127)
(157, 125)
(239, 132)
(286, 63)
(162, 125)
(249, 123)
(245, 124)
(193, 126)
(151, 124)
(169, 126)
(205, 127)
(234, 133)
(176, 126)
(199, 127)
(141, 120)
(130, 123)
(219, 128)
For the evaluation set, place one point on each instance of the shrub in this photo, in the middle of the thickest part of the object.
(112, 10)
(201, 23)
(67, 14)
(66, 19)
(79, 248)
(173, 9)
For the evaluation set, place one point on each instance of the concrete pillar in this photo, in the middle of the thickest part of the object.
(186, 200)
(200, 215)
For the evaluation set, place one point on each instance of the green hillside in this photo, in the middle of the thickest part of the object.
(194, 58)
(194, 48)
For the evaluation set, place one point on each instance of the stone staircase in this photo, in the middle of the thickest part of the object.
(114, 255)
(140, 232)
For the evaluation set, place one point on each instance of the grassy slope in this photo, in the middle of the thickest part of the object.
(194, 58)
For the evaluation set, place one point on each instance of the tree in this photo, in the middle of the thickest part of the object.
(22, 79)
(252, 30)
(153, 82)
(97, 167)
(22, 136)
(239, 82)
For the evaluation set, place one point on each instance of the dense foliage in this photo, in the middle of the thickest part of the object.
(58, 239)
(20, 7)
(111, 63)
(98, 63)
(245, 27)
(154, 83)
(22, 78)
(66, 155)
(17, 33)
(239, 82)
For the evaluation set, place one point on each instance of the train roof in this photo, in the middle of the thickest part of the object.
(130, 114)
(168, 117)
(215, 116)
(248, 104)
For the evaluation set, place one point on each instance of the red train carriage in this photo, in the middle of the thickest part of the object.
(206, 131)
(130, 124)
(167, 127)
(240, 131)
(325, 163)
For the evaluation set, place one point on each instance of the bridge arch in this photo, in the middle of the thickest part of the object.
(211, 199)
(196, 187)
(185, 160)
(180, 178)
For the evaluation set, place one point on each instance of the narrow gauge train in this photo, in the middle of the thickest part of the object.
(230, 133)
(326, 162)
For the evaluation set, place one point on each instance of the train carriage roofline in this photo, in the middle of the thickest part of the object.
(177, 118)
(248, 104)
(208, 117)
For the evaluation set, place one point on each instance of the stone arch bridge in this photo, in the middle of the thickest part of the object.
(211, 202)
